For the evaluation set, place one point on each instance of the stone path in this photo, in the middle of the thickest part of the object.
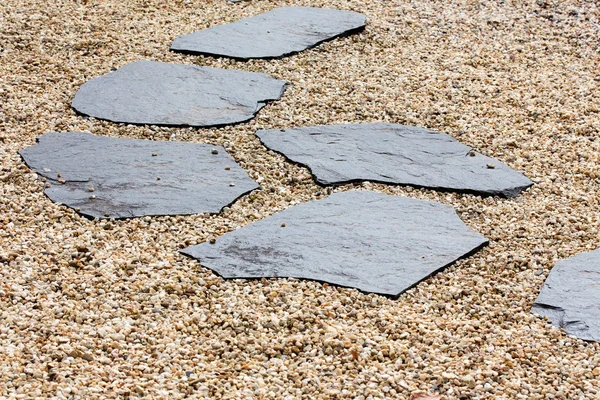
(366, 240)
(570, 296)
(391, 153)
(276, 33)
(148, 92)
(397, 242)
(104, 177)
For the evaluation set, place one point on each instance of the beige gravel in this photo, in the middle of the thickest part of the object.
(96, 309)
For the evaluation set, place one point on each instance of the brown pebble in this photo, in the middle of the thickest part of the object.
(215, 151)
(227, 168)
(283, 224)
(90, 189)
(490, 166)
(232, 184)
(154, 154)
(471, 322)
(212, 240)
(92, 197)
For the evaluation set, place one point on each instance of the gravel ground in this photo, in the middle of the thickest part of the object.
(105, 309)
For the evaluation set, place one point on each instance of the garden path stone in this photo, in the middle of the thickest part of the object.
(118, 178)
(276, 33)
(361, 239)
(570, 296)
(397, 154)
(156, 93)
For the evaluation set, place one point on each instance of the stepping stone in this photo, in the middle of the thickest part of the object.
(148, 92)
(104, 177)
(570, 296)
(276, 33)
(397, 154)
(361, 239)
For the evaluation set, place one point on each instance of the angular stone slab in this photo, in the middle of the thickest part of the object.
(155, 93)
(118, 178)
(570, 296)
(391, 153)
(276, 33)
(361, 239)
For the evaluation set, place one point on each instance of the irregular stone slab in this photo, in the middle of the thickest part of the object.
(570, 296)
(111, 177)
(149, 92)
(276, 33)
(391, 153)
(366, 240)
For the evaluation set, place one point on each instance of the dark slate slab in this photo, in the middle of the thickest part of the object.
(111, 177)
(366, 240)
(148, 92)
(391, 153)
(570, 296)
(276, 33)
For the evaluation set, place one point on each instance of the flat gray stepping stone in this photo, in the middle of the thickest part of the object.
(361, 239)
(276, 33)
(570, 296)
(104, 177)
(391, 153)
(149, 92)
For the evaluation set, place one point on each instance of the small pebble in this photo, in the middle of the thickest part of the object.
(215, 151)
(134, 317)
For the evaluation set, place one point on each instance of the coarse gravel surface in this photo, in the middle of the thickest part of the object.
(109, 309)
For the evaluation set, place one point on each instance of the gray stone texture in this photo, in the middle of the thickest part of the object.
(155, 93)
(361, 239)
(391, 153)
(119, 178)
(276, 33)
(570, 296)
